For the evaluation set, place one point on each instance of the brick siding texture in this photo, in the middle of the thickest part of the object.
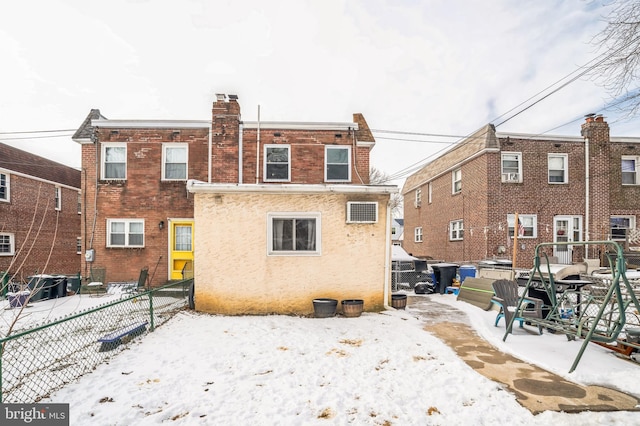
(45, 238)
(485, 201)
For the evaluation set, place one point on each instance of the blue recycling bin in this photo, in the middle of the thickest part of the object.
(465, 271)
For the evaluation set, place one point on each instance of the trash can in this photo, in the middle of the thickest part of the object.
(444, 273)
(73, 284)
(466, 271)
(41, 286)
(4, 283)
(59, 287)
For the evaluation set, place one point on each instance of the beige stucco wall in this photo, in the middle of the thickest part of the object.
(234, 275)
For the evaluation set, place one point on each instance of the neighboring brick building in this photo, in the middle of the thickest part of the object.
(39, 215)
(461, 206)
(136, 208)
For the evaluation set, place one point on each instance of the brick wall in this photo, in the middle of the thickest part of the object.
(45, 238)
(142, 196)
(485, 201)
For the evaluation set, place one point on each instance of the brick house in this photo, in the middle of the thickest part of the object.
(461, 207)
(139, 212)
(39, 215)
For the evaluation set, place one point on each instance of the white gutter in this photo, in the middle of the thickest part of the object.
(146, 124)
(195, 186)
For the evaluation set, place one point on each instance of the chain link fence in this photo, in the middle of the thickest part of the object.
(42, 359)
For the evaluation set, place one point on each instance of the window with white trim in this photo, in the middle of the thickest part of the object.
(7, 244)
(295, 234)
(418, 200)
(78, 245)
(174, 161)
(629, 170)
(456, 230)
(114, 161)
(528, 227)
(511, 163)
(417, 234)
(557, 166)
(79, 202)
(277, 163)
(620, 226)
(58, 197)
(456, 181)
(125, 233)
(337, 163)
(4, 187)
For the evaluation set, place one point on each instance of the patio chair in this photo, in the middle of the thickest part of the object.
(507, 297)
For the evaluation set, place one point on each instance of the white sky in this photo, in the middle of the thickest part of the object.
(437, 67)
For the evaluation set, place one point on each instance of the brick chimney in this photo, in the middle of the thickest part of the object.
(225, 127)
(595, 130)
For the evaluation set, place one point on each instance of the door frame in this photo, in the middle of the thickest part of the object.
(171, 238)
(571, 231)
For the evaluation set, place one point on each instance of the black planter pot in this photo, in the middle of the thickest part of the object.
(324, 308)
(352, 308)
(398, 301)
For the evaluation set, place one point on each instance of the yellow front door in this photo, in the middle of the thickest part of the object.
(181, 262)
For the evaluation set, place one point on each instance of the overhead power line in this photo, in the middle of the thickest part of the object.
(38, 131)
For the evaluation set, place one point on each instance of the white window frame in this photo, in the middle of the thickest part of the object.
(510, 174)
(634, 172)
(417, 234)
(632, 225)
(79, 202)
(429, 192)
(565, 168)
(456, 181)
(127, 233)
(182, 146)
(12, 244)
(456, 230)
(528, 221)
(105, 147)
(58, 197)
(78, 245)
(418, 201)
(266, 164)
(317, 216)
(328, 148)
(5, 182)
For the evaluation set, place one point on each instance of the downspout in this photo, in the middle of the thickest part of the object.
(240, 128)
(387, 257)
(210, 150)
(586, 191)
(258, 150)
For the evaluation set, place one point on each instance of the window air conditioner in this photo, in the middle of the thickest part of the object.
(510, 177)
(362, 212)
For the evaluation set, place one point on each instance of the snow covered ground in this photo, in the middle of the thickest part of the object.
(377, 369)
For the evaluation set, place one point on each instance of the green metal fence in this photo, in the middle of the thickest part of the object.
(38, 361)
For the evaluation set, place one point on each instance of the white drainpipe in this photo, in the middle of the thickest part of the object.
(387, 256)
(240, 154)
(586, 195)
(258, 150)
